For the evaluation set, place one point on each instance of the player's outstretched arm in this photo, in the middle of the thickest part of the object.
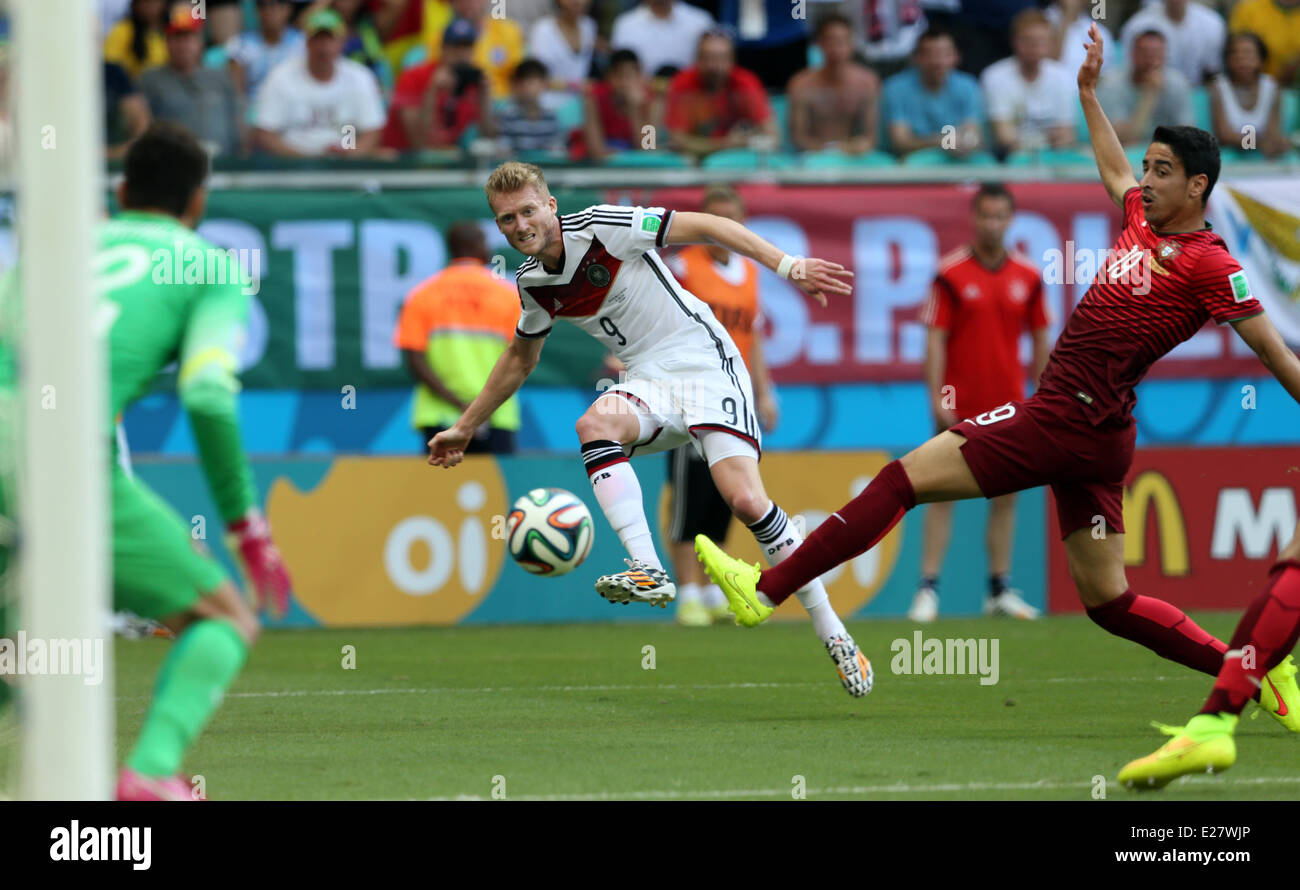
(207, 387)
(1112, 163)
(509, 373)
(815, 277)
(1261, 336)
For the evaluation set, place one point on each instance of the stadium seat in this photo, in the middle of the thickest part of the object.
(656, 158)
(1135, 155)
(748, 159)
(1201, 108)
(567, 108)
(823, 160)
(1291, 111)
(781, 111)
(937, 157)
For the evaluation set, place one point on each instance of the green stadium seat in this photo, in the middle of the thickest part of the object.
(1291, 111)
(654, 158)
(568, 111)
(1241, 156)
(781, 111)
(1135, 155)
(1065, 156)
(1201, 108)
(747, 158)
(824, 160)
(937, 157)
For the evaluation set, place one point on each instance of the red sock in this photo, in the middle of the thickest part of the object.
(1271, 625)
(1162, 628)
(854, 528)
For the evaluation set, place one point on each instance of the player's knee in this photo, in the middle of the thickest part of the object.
(594, 426)
(747, 505)
(1096, 590)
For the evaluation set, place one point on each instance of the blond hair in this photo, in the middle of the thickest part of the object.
(722, 193)
(512, 176)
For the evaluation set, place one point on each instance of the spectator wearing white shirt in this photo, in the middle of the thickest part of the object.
(1245, 103)
(319, 103)
(1029, 96)
(564, 42)
(662, 33)
(1070, 22)
(1194, 36)
(1146, 94)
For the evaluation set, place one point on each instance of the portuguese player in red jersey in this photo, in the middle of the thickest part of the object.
(983, 299)
(1167, 275)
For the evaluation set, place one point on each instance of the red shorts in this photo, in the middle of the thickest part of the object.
(1046, 440)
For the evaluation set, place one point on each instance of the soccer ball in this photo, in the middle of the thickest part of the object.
(549, 531)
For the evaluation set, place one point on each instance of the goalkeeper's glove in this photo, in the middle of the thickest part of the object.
(249, 541)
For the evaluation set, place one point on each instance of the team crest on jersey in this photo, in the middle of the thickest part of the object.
(1017, 291)
(598, 275)
(1165, 252)
(971, 291)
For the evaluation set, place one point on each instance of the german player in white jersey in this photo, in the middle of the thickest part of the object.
(685, 383)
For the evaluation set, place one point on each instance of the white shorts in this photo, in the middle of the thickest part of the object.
(687, 400)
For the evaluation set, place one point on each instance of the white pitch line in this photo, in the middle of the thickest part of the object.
(433, 690)
(627, 687)
(897, 788)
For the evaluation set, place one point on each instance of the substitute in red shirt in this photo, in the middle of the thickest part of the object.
(983, 299)
(715, 104)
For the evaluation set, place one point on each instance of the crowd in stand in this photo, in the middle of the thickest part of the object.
(734, 82)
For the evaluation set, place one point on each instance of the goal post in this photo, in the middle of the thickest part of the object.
(67, 718)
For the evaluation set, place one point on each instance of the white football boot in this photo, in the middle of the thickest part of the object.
(1008, 604)
(855, 670)
(925, 606)
(641, 583)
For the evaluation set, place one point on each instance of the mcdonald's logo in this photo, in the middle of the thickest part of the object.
(1147, 488)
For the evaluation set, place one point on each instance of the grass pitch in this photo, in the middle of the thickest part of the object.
(570, 712)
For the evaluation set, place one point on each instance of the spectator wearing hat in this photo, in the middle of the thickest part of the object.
(434, 103)
(498, 49)
(203, 100)
(716, 104)
(254, 53)
(136, 42)
(320, 103)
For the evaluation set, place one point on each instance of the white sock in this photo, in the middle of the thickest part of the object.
(778, 537)
(618, 492)
(713, 596)
(688, 593)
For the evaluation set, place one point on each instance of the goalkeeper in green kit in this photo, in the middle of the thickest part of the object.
(157, 571)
